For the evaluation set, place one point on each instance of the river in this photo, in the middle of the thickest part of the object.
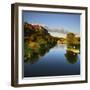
(56, 62)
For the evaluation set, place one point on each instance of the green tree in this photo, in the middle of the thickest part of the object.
(70, 38)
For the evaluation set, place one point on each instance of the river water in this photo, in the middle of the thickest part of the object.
(56, 62)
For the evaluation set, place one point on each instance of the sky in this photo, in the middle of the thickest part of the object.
(58, 23)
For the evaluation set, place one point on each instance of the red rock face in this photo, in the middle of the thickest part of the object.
(28, 26)
(32, 28)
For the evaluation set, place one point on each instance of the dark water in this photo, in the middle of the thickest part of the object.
(58, 61)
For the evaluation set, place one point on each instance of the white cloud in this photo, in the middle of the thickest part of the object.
(56, 34)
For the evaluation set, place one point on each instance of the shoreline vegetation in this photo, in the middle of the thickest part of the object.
(38, 41)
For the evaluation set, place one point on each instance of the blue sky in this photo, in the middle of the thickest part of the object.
(69, 22)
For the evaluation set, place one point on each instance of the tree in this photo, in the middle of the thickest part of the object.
(70, 38)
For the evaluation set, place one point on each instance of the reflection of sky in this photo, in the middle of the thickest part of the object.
(53, 63)
(68, 22)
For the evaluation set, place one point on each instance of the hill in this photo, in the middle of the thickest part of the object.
(37, 41)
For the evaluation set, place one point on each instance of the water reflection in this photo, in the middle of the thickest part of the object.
(72, 52)
(74, 48)
(71, 57)
(34, 55)
(63, 46)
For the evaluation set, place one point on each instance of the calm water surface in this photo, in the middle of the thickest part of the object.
(58, 61)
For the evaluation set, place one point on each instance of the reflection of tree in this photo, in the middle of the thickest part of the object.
(74, 48)
(32, 55)
(71, 57)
